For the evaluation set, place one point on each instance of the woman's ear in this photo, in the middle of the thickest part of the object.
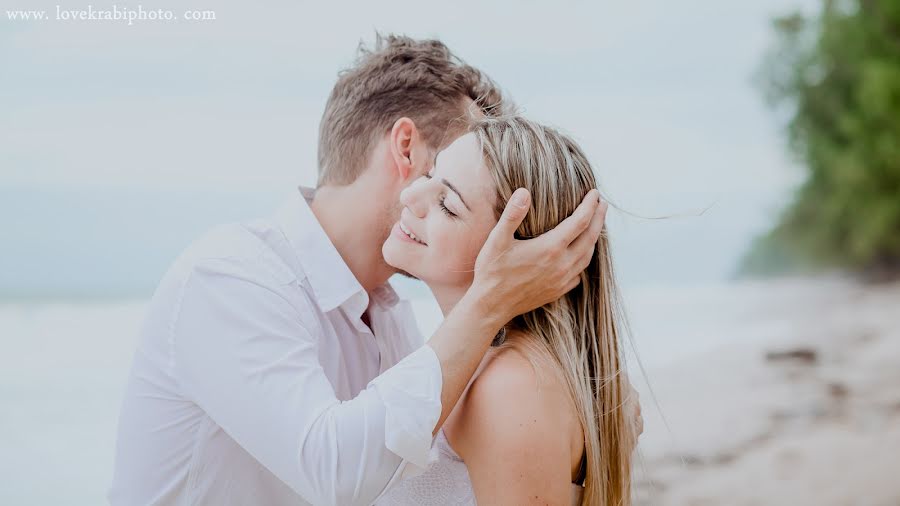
(404, 135)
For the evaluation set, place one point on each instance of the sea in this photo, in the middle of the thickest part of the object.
(64, 364)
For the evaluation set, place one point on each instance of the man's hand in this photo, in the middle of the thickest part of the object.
(516, 276)
(632, 407)
(512, 277)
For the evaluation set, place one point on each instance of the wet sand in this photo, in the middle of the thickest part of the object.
(806, 412)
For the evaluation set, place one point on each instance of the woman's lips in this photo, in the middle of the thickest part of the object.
(397, 231)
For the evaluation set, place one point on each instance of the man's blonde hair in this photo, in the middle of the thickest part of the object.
(401, 76)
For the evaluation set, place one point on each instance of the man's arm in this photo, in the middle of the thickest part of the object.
(248, 356)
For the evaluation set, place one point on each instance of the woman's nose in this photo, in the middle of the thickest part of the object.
(412, 198)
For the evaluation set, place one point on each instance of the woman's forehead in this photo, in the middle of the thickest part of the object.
(462, 163)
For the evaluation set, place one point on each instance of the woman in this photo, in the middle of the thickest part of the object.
(542, 420)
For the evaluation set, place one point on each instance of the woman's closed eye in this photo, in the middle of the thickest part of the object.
(442, 202)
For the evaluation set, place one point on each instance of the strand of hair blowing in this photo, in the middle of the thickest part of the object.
(579, 333)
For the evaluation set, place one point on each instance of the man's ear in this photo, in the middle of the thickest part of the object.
(403, 137)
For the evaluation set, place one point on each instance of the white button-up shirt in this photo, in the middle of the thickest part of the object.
(255, 380)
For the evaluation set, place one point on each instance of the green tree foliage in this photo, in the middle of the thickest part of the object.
(836, 77)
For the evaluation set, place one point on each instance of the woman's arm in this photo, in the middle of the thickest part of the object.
(515, 437)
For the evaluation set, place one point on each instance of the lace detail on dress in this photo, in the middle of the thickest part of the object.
(445, 482)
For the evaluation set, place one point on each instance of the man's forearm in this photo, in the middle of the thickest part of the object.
(460, 343)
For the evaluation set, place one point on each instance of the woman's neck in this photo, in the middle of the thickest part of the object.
(447, 296)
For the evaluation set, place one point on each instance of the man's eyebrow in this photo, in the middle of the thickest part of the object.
(448, 184)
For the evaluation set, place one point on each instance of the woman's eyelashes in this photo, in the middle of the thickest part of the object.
(444, 208)
(442, 198)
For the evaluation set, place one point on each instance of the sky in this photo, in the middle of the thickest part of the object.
(119, 144)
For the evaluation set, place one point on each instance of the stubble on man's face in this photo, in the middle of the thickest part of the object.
(390, 213)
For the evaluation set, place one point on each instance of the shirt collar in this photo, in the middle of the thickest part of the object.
(332, 282)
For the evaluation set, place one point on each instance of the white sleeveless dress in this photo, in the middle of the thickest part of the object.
(445, 483)
(446, 480)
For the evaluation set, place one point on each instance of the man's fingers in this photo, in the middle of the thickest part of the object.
(516, 209)
(571, 285)
(588, 239)
(571, 227)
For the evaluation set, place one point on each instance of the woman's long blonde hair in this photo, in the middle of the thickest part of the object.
(580, 332)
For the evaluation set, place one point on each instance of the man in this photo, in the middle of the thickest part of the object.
(276, 365)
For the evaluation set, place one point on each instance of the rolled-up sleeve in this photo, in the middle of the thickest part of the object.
(246, 351)
(411, 393)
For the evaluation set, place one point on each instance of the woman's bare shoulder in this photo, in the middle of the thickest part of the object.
(517, 399)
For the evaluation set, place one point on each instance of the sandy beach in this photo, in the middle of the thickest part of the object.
(815, 423)
(804, 412)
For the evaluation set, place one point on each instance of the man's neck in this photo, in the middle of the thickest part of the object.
(350, 218)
